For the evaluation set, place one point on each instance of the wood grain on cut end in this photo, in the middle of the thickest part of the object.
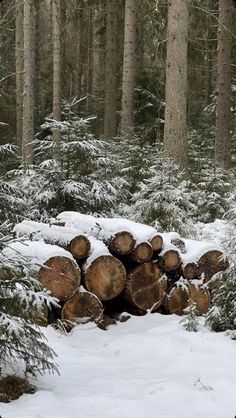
(142, 253)
(211, 263)
(122, 243)
(79, 247)
(170, 261)
(82, 307)
(105, 277)
(201, 297)
(177, 301)
(144, 287)
(157, 243)
(61, 276)
(190, 271)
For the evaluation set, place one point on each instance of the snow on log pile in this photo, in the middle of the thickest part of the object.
(99, 266)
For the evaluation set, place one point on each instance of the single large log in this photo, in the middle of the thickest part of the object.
(144, 286)
(121, 243)
(142, 253)
(211, 263)
(177, 300)
(54, 266)
(67, 238)
(180, 298)
(82, 307)
(105, 277)
(61, 276)
(156, 242)
(170, 260)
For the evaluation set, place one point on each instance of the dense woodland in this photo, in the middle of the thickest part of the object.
(115, 109)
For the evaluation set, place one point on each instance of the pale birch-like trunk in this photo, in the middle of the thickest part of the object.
(57, 78)
(222, 138)
(19, 56)
(28, 101)
(129, 66)
(175, 131)
(111, 69)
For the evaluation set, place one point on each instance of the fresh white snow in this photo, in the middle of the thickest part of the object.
(147, 367)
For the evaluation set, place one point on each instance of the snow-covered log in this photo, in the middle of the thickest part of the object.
(68, 238)
(104, 275)
(169, 259)
(184, 293)
(106, 228)
(54, 266)
(145, 286)
(82, 307)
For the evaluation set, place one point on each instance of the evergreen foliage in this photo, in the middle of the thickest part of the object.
(190, 320)
(21, 301)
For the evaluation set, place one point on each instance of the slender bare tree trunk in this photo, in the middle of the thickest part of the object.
(222, 139)
(28, 102)
(19, 55)
(129, 66)
(175, 131)
(111, 69)
(57, 78)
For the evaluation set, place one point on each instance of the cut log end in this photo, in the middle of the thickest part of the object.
(201, 297)
(122, 243)
(79, 247)
(82, 308)
(211, 263)
(177, 301)
(61, 276)
(142, 253)
(156, 243)
(144, 287)
(190, 271)
(105, 277)
(170, 261)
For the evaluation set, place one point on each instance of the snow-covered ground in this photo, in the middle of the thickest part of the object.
(147, 367)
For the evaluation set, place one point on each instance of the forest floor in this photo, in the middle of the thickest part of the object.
(147, 367)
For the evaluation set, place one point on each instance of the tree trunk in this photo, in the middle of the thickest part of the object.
(19, 55)
(56, 76)
(175, 131)
(144, 288)
(111, 69)
(222, 139)
(105, 277)
(129, 66)
(28, 102)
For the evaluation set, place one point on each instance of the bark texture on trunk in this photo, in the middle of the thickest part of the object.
(111, 68)
(57, 78)
(19, 56)
(175, 131)
(129, 66)
(222, 139)
(28, 101)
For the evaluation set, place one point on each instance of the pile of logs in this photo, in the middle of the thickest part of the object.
(98, 267)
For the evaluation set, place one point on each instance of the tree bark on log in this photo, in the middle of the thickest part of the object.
(105, 277)
(82, 307)
(144, 287)
(61, 276)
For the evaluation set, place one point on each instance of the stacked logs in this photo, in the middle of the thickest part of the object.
(99, 267)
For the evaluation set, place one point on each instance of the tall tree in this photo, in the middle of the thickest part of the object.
(28, 101)
(19, 57)
(222, 138)
(111, 69)
(175, 131)
(129, 66)
(57, 78)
